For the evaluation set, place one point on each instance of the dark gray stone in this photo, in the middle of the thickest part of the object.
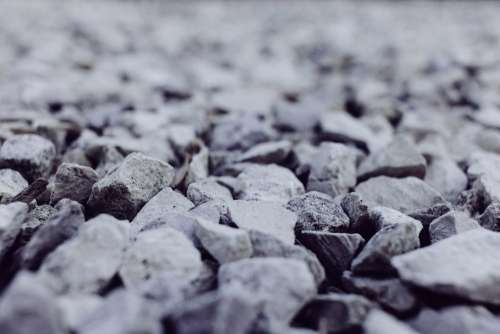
(74, 182)
(357, 211)
(11, 184)
(452, 223)
(12, 217)
(490, 218)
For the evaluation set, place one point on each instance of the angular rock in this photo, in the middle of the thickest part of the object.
(406, 195)
(318, 212)
(265, 245)
(11, 184)
(36, 218)
(390, 241)
(390, 293)
(87, 263)
(157, 251)
(27, 307)
(452, 223)
(483, 170)
(33, 191)
(379, 322)
(333, 169)
(400, 158)
(266, 217)
(357, 211)
(464, 265)
(335, 313)
(281, 286)
(11, 219)
(31, 155)
(446, 177)
(60, 227)
(267, 153)
(381, 217)
(335, 251)
(123, 191)
(490, 219)
(341, 127)
(224, 243)
(269, 183)
(74, 182)
(206, 190)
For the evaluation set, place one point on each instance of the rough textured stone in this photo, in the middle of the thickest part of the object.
(379, 322)
(446, 177)
(74, 182)
(31, 155)
(333, 169)
(267, 153)
(318, 212)
(483, 170)
(281, 286)
(490, 218)
(11, 184)
(392, 240)
(266, 217)
(157, 251)
(123, 191)
(381, 217)
(450, 224)
(357, 211)
(11, 219)
(207, 190)
(464, 265)
(338, 126)
(335, 251)
(224, 243)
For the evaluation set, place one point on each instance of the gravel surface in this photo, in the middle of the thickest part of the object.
(249, 167)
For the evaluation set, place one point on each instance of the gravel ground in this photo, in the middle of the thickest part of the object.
(249, 167)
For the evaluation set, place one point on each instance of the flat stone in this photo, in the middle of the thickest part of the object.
(318, 212)
(390, 241)
(472, 276)
(265, 245)
(27, 306)
(224, 243)
(452, 223)
(390, 293)
(335, 251)
(88, 262)
(267, 153)
(333, 169)
(281, 286)
(11, 220)
(31, 155)
(123, 191)
(206, 190)
(266, 217)
(446, 177)
(157, 251)
(406, 195)
(380, 322)
(400, 158)
(11, 184)
(335, 313)
(490, 218)
(60, 227)
(74, 182)
(269, 183)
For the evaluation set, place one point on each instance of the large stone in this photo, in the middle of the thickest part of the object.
(335, 251)
(465, 265)
(207, 190)
(281, 286)
(318, 212)
(77, 307)
(124, 190)
(266, 217)
(11, 220)
(483, 170)
(88, 262)
(407, 195)
(224, 243)
(452, 223)
(31, 155)
(74, 182)
(445, 176)
(390, 241)
(269, 183)
(157, 251)
(333, 169)
(11, 184)
(400, 158)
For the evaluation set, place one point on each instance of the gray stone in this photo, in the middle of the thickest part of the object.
(265, 245)
(406, 195)
(183, 222)
(224, 243)
(11, 184)
(335, 313)
(281, 286)
(340, 126)
(34, 191)
(206, 190)
(390, 241)
(87, 263)
(381, 217)
(318, 212)
(60, 227)
(452, 223)
(266, 217)
(38, 216)
(267, 153)
(197, 169)
(11, 219)
(335, 251)
(74, 182)
(357, 211)
(31, 155)
(490, 218)
(400, 158)
(123, 191)
(446, 177)
(333, 169)
(157, 251)
(27, 307)
(390, 293)
(483, 170)
(380, 322)
(76, 308)
(269, 183)
(464, 265)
